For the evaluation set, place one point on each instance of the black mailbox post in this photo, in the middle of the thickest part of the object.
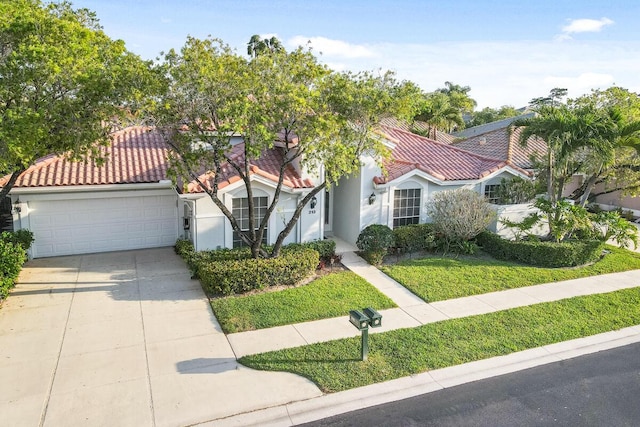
(362, 320)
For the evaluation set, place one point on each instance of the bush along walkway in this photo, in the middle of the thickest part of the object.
(413, 311)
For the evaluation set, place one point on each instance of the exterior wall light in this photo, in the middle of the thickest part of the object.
(372, 198)
(314, 202)
(16, 206)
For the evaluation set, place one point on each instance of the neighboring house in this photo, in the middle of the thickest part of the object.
(130, 203)
(498, 141)
(418, 168)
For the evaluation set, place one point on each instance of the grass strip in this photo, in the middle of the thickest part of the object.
(335, 365)
(441, 278)
(328, 296)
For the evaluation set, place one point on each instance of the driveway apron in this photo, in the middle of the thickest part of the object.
(127, 339)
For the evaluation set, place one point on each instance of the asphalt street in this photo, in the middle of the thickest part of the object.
(600, 389)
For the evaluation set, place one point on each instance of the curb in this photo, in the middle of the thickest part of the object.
(328, 405)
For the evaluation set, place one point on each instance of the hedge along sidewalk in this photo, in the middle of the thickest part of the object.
(411, 316)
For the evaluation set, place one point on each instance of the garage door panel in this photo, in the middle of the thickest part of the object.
(99, 225)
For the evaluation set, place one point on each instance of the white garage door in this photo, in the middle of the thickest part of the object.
(66, 227)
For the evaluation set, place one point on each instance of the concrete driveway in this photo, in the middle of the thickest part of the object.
(123, 338)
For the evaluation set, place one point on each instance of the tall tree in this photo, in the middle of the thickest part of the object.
(617, 168)
(437, 111)
(63, 82)
(459, 97)
(259, 46)
(321, 120)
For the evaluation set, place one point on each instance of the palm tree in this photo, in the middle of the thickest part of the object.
(622, 135)
(438, 113)
(573, 134)
(259, 46)
(459, 97)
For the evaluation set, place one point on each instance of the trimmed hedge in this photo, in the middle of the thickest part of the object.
(326, 248)
(13, 254)
(414, 237)
(227, 277)
(541, 254)
(231, 271)
(374, 242)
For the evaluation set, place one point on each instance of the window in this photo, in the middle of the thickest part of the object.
(406, 207)
(241, 213)
(491, 193)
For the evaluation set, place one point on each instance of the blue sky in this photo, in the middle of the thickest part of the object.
(508, 52)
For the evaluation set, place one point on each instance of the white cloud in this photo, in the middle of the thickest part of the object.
(586, 25)
(332, 48)
(268, 36)
(505, 73)
(581, 83)
(165, 20)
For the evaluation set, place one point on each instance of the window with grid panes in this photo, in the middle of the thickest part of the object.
(491, 193)
(241, 213)
(406, 207)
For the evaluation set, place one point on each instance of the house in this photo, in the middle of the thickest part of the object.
(129, 202)
(497, 140)
(418, 168)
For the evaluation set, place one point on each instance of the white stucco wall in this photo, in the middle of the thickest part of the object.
(210, 229)
(514, 213)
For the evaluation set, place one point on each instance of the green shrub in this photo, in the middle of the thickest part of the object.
(326, 248)
(184, 247)
(414, 237)
(458, 216)
(12, 256)
(232, 276)
(23, 238)
(374, 241)
(542, 254)
(516, 190)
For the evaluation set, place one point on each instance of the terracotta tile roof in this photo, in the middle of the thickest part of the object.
(268, 166)
(137, 155)
(421, 127)
(439, 160)
(505, 145)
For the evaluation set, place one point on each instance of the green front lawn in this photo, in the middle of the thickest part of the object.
(440, 278)
(335, 365)
(332, 295)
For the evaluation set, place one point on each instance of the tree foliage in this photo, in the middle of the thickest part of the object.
(63, 82)
(488, 115)
(444, 109)
(321, 121)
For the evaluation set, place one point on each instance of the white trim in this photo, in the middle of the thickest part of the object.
(428, 177)
(93, 188)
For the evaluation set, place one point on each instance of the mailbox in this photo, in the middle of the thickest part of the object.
(358, 319)
(375, 318)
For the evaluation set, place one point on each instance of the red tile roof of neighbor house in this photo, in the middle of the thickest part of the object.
(442, 161)
(138, 155)
(418, 127)
(498, 141)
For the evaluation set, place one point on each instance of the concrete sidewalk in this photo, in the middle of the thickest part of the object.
(123, 339)
(413, 311)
